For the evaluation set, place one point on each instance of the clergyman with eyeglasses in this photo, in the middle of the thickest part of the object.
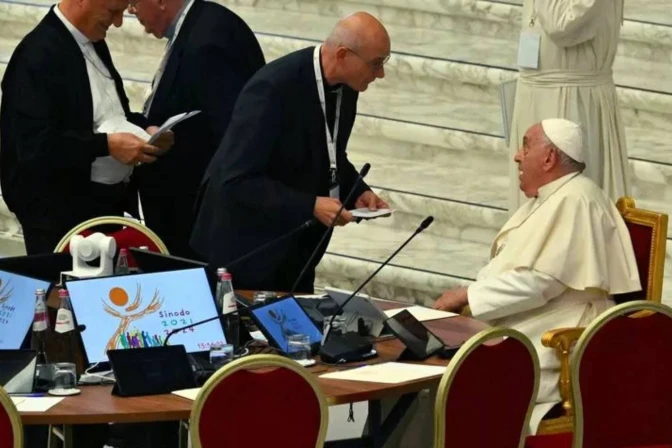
(283, 159)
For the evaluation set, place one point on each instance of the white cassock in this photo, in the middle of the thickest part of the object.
(555, 264)
(578, 42)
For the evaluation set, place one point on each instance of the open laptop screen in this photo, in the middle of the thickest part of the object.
(17, 307)
(17, 370)
(135, 311)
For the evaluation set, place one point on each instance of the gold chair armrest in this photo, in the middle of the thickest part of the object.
(562, 340)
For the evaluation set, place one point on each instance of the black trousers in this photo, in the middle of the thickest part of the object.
(172, 219)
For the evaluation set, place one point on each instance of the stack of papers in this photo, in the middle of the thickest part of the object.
(421, 313)
(365, 213)
(35, 404)
(388, 373)
(172, 121)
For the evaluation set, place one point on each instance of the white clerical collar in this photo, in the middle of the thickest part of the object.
(551, 187)
(79, 37)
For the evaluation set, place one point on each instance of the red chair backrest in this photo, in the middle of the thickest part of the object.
(125, 238)
(272, 407)
(11, 434)
(621, 376)
(491, 395)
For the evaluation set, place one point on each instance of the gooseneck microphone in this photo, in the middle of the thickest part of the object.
(271, 243)
(351, 346)
(362, 174)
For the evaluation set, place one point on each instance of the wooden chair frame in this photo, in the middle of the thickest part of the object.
(256, 362)
(14, 418)
(456, 362)
(111, 220)
(637, 309)
(563, 339)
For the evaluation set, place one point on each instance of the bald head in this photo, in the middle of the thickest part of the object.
(355, 51)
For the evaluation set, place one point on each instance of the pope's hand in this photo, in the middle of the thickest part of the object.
(325, 211)
(130, 150)
(164, 141)
(370, 200)
(452, 300)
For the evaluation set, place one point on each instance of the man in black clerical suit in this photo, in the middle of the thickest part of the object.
(274, 168)
(210, 54)
(58, 165)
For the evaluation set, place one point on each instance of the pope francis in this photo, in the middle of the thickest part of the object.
(558, 259)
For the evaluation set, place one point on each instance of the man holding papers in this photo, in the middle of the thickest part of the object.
(556, 262)
(210, 54)
(69, 141)
(283, 160)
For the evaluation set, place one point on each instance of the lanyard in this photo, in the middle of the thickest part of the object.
(331, 140)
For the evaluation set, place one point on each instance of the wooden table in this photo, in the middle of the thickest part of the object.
(96, 404)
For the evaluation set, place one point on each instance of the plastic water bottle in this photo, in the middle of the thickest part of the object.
(219, 296)
(122, 263)
(227, 297)
(40, 326)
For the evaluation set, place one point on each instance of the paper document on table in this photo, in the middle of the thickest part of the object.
(35, 404)
(172, 121)
(389, 373)
(189, 394)
(365, 213)
(422, 313)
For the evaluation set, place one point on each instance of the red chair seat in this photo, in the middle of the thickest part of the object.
(563, 440)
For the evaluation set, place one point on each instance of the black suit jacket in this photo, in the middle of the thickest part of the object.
(266, 174)
(214, 55)
(47, 144)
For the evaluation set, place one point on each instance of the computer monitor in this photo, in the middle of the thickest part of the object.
(279, 319)
(17, 371)
(135, 311)
(149, 261)
(17, 307)
(47, 267)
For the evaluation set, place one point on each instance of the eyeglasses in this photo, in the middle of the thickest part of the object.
(375, 65)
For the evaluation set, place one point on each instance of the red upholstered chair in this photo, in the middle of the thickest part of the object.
(648, 232)
(125, 231)
(485, 398)
(620, 371)
(11, 429)
(260, 401)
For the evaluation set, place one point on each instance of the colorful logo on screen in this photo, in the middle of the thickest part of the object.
(116, 306)
(5, 290)
(139, 339)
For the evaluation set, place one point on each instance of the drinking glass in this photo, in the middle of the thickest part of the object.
(298, 347)
(64, 376)
(220, 354)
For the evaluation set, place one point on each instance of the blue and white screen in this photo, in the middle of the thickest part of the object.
(133, 311)
(284, 318)
(17, 307)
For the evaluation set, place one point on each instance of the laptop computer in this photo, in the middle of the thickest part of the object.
(17, 371)
(46, 267)
(17, 308)
(138, 311)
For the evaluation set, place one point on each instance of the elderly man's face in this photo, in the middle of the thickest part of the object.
(99, 15)
(534, 159)
(363, 66)
(150, 15)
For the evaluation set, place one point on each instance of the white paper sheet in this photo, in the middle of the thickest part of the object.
(189, 394)
(365, 213)
(172, 121)
(422, 313)
(35, 404)
(388, 373)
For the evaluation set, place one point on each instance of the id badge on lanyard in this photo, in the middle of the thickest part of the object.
(334, 191)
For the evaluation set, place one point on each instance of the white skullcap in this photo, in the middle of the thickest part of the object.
(566, 136)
